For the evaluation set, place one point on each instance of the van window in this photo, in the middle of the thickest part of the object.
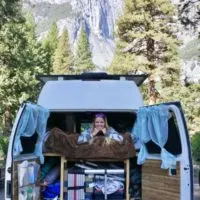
(121, 122)
(173, 144)
(28, 143)
(57, 120)
(85, 126)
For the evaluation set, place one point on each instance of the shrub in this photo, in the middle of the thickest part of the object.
(195, 142)
(4, 140)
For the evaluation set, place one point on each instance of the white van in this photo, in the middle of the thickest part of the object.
(69, 102)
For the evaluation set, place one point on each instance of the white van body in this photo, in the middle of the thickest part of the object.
(105, 95)
(87, 95)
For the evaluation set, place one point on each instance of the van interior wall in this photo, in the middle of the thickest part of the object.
(120, 121)
(71, 122)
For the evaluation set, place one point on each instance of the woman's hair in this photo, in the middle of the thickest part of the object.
(100, 115)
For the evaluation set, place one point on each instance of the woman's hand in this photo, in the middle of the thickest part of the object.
(104, 130)
(95, 131)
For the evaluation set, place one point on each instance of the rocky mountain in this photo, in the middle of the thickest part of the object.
(188, 32)
(100, 17)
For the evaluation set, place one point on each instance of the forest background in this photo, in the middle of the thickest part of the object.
(146, 42)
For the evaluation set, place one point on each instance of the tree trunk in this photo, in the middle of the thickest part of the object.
(7, 121)
(152, 92)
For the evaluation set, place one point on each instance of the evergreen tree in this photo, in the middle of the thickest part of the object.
(83, 60)
(52, 37)
(63, 58)
(21, 59)
(10, 10)
(50, 44)
(189, 97)
(146, 42)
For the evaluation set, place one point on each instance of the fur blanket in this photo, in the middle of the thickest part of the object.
(99, 148)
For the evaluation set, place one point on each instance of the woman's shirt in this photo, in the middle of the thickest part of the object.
(110, 133)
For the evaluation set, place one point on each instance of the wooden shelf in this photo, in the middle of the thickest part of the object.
(64, 160)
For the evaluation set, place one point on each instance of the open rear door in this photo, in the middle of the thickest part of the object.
(175, 183)
(22, 169)
(9, 159)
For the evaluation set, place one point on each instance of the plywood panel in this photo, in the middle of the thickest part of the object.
(157, 184)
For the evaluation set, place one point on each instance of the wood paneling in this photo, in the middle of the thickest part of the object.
(157, 184)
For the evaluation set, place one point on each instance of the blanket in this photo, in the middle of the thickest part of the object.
(99, 148)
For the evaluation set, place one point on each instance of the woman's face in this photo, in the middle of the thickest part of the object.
(99, 123)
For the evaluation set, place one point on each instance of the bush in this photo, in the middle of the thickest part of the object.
(195, 142)
(4, 140)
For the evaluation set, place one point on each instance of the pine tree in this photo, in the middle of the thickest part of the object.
(10, 10)
(52, 37)
(63, 58)
(50, 44)
(83, 60)
(146, 42)
(21, 59)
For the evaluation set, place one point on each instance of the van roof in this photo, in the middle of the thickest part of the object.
(92, 95)
(137, 78)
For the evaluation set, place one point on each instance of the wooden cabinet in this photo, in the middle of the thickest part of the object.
(26, 170)
(63, 164)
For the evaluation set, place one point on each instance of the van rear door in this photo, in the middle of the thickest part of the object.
(9, 158)
(12, 183)
(174, 183)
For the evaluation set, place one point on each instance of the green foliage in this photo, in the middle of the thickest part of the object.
(147, 42)
(63, 59)
(52, 37)
(83, 60)
(50, 44)
(195, 142)
(4, 140)
(21, 59)
(10, 11)
(189, 96)
(144, 40)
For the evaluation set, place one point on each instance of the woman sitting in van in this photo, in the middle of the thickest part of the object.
(99, 128)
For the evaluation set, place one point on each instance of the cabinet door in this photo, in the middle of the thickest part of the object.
(26, 182)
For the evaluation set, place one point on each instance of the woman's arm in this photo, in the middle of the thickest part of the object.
(113, 134)
(85, 136)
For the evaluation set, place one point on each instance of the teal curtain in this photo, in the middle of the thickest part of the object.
(33, 119)
(152, 124)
